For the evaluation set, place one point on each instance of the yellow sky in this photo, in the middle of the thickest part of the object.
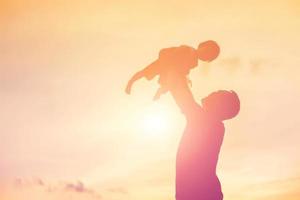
(65, 117)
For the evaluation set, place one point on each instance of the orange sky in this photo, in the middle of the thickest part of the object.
(65, 117)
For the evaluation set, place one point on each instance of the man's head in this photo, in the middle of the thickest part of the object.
(222, 104)
(208, 51)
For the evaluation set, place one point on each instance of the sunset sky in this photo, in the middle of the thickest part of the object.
(69, 131)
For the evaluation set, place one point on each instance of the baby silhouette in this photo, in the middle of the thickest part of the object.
(175, 62)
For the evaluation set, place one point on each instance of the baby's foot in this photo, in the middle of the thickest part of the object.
(159, 92)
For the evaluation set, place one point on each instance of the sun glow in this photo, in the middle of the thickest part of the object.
(156, 122)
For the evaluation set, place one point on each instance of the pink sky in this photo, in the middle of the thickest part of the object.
(70, 132)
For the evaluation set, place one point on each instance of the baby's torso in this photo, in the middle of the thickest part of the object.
(182, 59)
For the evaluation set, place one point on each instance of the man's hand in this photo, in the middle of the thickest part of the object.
(189, 82)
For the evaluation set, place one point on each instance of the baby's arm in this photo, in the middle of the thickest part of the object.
(134, 78)
(149, 73)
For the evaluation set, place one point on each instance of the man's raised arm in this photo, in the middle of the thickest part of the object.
(183, 96)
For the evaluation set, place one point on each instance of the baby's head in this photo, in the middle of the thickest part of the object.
(222, 104)
(208, 51)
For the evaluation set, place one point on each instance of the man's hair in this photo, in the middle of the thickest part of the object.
(222, 104)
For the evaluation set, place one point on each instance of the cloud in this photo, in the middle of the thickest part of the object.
(256, 65)
(18, 182)
(231, 64)
(234, 64)
(21, 182)
(61, 187)
(78, 187)
(280, 182)
(39, 182)
(287, 188)
(119, 190)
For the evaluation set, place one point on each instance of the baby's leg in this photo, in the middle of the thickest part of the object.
(162, 90)
(168, 81)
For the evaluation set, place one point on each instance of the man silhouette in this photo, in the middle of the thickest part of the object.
(200, 144)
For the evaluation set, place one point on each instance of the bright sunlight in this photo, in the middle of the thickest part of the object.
(156, 122)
